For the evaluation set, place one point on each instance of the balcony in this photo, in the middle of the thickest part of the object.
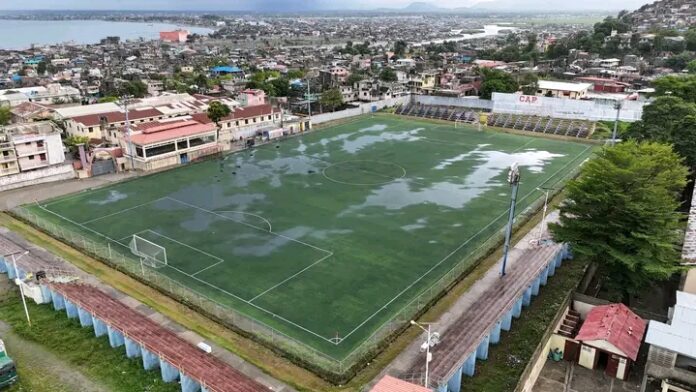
(8, 158)
(25, 165)
(23, 151)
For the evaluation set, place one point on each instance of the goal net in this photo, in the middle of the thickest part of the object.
(150, 254)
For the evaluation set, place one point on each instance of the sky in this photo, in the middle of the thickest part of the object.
(285, 5)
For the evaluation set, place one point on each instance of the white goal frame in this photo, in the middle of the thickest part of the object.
(464, 123)
(155, 258)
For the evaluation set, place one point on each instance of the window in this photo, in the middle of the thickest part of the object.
(42, 157)
(246, 121)
(91, 130)
(269, 116)
(31, 157)
(197, 141)
(40, 143)
(181, 145)
(159, 150)
(229, 125)
(139, 151)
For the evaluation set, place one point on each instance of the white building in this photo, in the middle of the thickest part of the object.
(549, 88)
(51, 94)
(30, 146)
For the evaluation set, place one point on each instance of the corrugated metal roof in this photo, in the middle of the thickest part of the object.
(392, 384)
(616, 324)
(680, 335)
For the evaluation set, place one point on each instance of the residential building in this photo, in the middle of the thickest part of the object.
(48, 95)
(672, 353)
(26, 147)
(251, 97)
(176, 36)
(549, 88)
(243, 123)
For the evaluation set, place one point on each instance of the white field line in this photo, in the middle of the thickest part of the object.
(199, 280)
(250, 304)
(460, 247)
(218, 259)
(292, 276)
(270, 228)
(121, 211)
(248, 225)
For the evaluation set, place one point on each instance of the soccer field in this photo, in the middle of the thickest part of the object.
(325, 236)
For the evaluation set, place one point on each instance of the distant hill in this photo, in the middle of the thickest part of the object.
(525, 6)
(664, 13)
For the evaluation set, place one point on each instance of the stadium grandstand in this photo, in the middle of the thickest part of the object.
(451, 113)
(539, 124)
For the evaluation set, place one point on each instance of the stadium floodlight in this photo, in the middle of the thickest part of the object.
(543, 214)
(617, 105)
(20, 282)
(514, 180)
(433, 338)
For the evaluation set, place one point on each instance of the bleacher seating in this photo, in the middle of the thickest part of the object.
(539, 124)
(450, 113)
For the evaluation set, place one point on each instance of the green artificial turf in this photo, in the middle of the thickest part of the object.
(325, 237)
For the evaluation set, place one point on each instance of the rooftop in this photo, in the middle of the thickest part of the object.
(563, 86)
(392, 384)
(157, 131)
(615, 324)
(680, 335)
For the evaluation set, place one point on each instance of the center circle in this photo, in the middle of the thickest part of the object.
(364, 172)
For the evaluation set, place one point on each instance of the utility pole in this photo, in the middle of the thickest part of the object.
(617, 106)
(514, 180)
(543, 215)
(429, 342)
(20, 283)
(124, 101)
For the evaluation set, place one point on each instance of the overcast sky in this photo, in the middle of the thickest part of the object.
(270, 5)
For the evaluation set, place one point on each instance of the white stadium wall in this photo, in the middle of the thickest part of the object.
(565, 108)
(467, 102)
(364, 108)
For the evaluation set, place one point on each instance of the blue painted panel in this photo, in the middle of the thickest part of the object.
(99, 327)
(169, 372)
(85, 317)
(482, 350)
(132, 348)
(455, 383)
(188, 384)
(150, 360)
(116, 338)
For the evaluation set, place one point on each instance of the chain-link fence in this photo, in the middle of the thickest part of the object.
(118, 256)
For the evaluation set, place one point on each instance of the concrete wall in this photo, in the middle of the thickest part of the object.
(467, 102)
(38, 176)
(364, 108)
(565, 108)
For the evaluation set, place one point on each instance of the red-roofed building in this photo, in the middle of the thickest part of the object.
(392, 384)
(610, 337)
(166, 143)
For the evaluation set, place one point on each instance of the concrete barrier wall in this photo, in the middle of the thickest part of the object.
(467, 102)
(363, 108)
(38, 176)
(566, 108)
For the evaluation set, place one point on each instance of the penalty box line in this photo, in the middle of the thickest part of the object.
(201, 281)
(459, 248)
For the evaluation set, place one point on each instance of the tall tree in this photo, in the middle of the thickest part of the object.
(496, 81)
(5, 115)
(388, 75)
(668, 119)
(621, 214)
(331, 98)
(216, 112)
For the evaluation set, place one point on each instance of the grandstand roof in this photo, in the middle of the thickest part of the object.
(208, 370)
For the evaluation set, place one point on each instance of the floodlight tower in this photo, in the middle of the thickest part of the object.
(19, 283)
(432, 339)
(514, 180)
(124, 102)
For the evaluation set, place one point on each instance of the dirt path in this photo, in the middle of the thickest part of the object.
(39, 369)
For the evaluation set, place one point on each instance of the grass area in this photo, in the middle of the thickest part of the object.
(508, 359)
(368, 213)
(80, 348)
(259, 355)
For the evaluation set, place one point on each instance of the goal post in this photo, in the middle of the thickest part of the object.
(150, 253)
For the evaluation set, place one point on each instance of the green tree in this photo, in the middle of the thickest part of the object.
(621, 214)
(388, 75)
(355, 77)
(108, 98)
(281, 87)
(295, 74)
(690, 39)
(691, 67)
(217, 111)
(668, 119)
(529, 83)
(331, 98)
(400, 48)
(41, 68)
(136, 88)
(682, 86)
(72, 141)
(5, 115)
(496, 81)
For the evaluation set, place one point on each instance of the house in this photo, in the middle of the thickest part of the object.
(672, 353)
(549, 88)
(610, 337)
(251, 97)
(164, 143)
(176, 36)
(604, 84)
(50, 94)
(334, 76)
(27, 147)
(243, 123)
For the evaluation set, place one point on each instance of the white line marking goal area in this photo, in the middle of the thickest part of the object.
(161, 239)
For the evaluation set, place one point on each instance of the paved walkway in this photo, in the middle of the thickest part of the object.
(188, 335)
(408, 359)
(570, 377)
(16, 197)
